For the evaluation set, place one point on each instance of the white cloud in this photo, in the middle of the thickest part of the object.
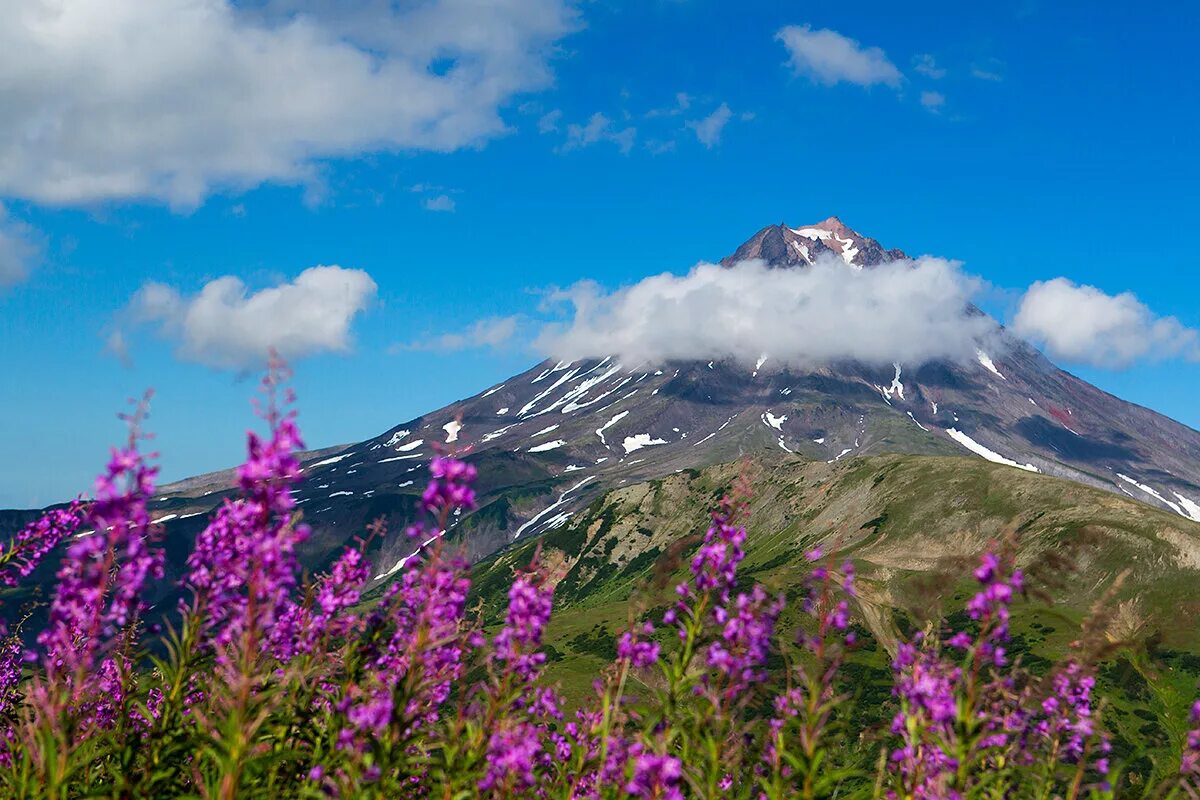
(442, 202)
(548, 122)
(170, 99)
(990, 69)
(599, 128)
(933, 101)
(708, 130)
(489, 332)
(927, 65)
(828, 57)
(903, 311)
(227, 326)
(683, 101)
(19, 249)
(1085, 325)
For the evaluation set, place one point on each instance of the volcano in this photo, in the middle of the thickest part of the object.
(550, 441)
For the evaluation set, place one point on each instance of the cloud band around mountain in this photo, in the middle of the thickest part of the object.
(909, 311)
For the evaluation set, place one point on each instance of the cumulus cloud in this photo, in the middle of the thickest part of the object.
(227, 326)
(909, 311)
(19, 249)
(933, 101)
(828, 57)
(1086, 325)
(599, 128)
(489, 332)
(118, 99)
(442, 202)
(708, 130)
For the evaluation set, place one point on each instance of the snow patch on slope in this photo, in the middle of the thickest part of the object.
(600, 431)
(396, 437)
(772, 421)
(638, 441)
(1171, 505)
(561, 499)
(984, 452)
(988, 364)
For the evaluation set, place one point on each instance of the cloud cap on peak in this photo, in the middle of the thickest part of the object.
(910, 311)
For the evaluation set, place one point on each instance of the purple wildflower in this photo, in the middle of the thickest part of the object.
(656, 776)
(100, 583)
(243, 569)
(33, 542)
(529, 607)
(639, 649)
(747, 630)
(511, 757)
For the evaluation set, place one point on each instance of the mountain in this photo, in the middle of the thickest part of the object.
(551, 441)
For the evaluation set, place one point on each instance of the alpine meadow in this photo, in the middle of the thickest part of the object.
(569, 472)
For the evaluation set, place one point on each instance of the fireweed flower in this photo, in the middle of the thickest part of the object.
(515, 646)
(421, 619)
(639, 649)
(512, 755)
(747, 630)
(450, 489)
(301, 627)
(930, 689)
(715, 565)
(34, 542)
(1189, 763)
(11, 656)
(656, 776)
(100, 584)
(249, 548)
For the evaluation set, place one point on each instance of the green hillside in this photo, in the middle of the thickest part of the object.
(908, 522)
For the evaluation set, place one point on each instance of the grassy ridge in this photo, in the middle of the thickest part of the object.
(906, 521)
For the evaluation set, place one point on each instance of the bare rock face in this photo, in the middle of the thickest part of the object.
(781, 246)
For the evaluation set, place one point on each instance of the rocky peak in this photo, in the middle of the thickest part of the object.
(784, 246)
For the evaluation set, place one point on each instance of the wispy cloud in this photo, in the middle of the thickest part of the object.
(489, 332)
(683, 101)
(1086, 325)
(991, 69)
(548, 122)
(441, 202)
(828, 57)
(227, 326)
(19, 249)
(708, 130)
(599, 128)
(927, 65)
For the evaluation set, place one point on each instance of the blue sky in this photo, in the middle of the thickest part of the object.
(454, 156)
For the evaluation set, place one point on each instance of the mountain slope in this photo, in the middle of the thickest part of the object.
(550, 441)
(591, 425)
